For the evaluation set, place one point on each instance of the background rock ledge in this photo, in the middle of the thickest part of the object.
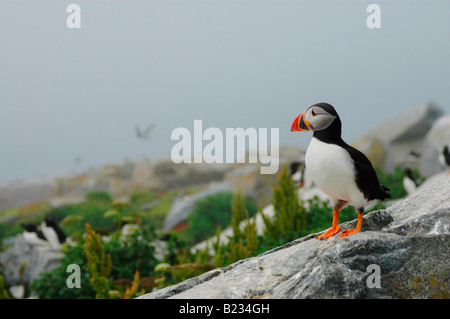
(409, 241)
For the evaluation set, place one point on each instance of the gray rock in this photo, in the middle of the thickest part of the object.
(117, 179)
(433, 145)
(23, 262)
(23, 192)
(389, 144)
(408, 243)
(183, 204)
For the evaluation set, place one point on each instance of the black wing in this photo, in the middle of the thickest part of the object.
(366, 177)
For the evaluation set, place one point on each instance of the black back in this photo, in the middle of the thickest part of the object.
(293, 168)
(366, 177)
(446, 155)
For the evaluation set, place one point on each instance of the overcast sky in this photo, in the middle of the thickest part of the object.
(70, 98)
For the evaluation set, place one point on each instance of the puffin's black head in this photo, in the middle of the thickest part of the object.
(50, 220)
(317, 117)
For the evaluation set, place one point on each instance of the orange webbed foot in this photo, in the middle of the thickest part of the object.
(349, 232)
(328, 233)
(334, 227)
(357, 228)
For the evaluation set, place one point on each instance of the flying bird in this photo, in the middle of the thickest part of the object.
(339, 170)
(144, 134)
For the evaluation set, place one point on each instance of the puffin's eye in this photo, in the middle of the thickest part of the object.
(313, 113)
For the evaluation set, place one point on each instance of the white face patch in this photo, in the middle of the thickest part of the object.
(319, 118)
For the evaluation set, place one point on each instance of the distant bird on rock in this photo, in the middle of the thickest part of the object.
(409, 182)
(53, 232)
(33, 235)
(297, 172)
(414, 156)
(444, 157)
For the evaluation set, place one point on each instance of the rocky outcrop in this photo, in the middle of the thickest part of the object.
(117, 179)
(389, 144)
(184, 203)
(433, 145)
(23, 192)
(23, 262)
(402, 252)
(159, 174)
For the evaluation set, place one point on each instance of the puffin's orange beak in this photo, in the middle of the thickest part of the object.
(300, 124)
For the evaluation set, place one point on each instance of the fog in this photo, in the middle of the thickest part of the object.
(70, 99)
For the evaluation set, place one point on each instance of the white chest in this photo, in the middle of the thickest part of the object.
(332, 170)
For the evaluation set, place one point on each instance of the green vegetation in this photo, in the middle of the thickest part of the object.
(212, 212)
(117, 266)
(3, 292)
(52, 284)
(73, 217)
(100, 196)
(394, 180)
(290, 218)
(132, 291)
(99, 264)
(107, 266)
(104, 266)
(242, 244)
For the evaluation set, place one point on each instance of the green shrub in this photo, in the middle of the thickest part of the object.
(99, 195)
(243, 243)
(138, 197)
(52, 284)
(9, 231)
(3, 292)
(158, 212)
(394, 180)
(178, 250)
(289, 221)
(99, 264)
(135, 252)
(91, 212)
(212, 212)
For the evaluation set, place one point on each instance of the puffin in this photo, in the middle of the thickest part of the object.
(53, 232)
(444, 158)
(409, 182)
(342, 172)
(33, 235)
(297, 172)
